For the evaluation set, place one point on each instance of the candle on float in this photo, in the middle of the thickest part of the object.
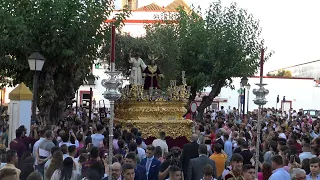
(261, 62)
(113, 47)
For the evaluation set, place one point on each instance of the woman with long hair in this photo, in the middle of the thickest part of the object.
(56, 163)
(24, 156)
(67, 171)
(27, 167)
(266, 171)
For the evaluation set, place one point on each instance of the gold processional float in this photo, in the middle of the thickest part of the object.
(155, 110)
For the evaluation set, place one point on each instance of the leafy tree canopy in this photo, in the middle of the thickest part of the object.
(68, 33)
(223, 43)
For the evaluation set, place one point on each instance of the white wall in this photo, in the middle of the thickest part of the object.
(97, 89)
(137, 29)
(118, 4)
(301, 92)
(143, 15)
(6, 95)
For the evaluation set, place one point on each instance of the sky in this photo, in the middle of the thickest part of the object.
(290, 28)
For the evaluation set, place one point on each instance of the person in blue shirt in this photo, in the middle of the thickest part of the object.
(279, 172)
(228, 146)
(314, 169)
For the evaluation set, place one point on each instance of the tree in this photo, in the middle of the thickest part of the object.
(67, 33)
(281, 73)
(213, 49)
(153, 44)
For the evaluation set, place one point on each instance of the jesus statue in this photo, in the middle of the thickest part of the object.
(138, 67)
(152, 73)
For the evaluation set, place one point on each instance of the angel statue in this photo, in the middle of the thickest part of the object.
(152, 73)
(138, 66)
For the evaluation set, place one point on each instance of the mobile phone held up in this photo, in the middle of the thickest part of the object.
(292, 159)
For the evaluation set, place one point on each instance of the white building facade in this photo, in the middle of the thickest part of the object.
(299, 93)
(305, 70)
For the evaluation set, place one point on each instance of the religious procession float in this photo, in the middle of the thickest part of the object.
(151, 109)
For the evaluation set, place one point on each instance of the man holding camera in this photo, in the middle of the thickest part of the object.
(172, 160)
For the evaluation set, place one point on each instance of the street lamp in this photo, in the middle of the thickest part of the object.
(112, 93)
(36, 61)
(260, 100)
(248, 88)
(244, 83)
(1, 92)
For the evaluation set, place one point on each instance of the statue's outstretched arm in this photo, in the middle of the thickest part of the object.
(130, 60)
(143, 65)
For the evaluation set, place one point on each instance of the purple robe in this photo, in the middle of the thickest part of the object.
(151, 75)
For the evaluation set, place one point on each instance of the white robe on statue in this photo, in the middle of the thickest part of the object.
(136, 71)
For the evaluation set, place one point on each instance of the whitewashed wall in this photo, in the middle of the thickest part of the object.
(137, 29)
(6, 95)
(301, 92)
(97, 89)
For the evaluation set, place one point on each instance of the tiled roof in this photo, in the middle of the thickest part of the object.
(176, 3)
(151, 7)
(171, 7)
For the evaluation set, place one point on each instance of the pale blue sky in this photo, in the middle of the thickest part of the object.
(290, 27)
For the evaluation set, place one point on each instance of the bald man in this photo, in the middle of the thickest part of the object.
(116, 171)
(190, 151)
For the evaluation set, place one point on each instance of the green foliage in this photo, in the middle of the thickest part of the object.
(68, 33)
(153, 44)
(226, 42)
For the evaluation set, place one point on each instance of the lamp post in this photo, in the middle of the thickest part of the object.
(112, 93)
(1, 92)
(36, 61)
(260, 100)
(248, 88)
(244, 82)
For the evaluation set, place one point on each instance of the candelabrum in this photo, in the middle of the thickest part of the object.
(260, 100)
(173, 93)
(112, 93)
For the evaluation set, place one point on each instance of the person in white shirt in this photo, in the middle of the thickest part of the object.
(141, 151)
(213, 115)
(281, 133)
(161, 142)
(64, 149)
(97, 138)
(36, 145)
(72, 151)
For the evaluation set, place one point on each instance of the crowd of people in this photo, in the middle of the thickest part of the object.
(222, 147)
